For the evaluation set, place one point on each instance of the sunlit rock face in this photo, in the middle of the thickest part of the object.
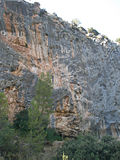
(85, 69)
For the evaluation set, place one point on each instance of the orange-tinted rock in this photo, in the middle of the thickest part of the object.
(85, 70)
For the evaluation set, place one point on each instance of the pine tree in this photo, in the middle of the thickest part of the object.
(39, 112)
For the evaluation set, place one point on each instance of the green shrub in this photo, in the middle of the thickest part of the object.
(20, 122)
(92, 30)
(104, 36)
(88, 147)
(52, 135)
(8, 144)
(118, 40)
(75, 22)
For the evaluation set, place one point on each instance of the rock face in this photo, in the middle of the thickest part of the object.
(85, 69)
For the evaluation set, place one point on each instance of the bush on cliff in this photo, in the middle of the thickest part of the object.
(88, 147)
(75, 22)
(92, 30)
(118, 40)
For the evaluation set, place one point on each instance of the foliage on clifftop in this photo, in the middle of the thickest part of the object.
(118, 40)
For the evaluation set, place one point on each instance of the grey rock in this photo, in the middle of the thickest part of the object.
(85, 69)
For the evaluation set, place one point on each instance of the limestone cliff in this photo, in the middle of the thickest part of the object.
(85, 68)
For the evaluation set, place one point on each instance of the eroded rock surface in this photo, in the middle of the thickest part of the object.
(85, 68)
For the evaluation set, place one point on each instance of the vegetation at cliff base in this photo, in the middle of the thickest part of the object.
(52, 135)
(39, 112)
(89, 147)
(24, 139)
(20, 122)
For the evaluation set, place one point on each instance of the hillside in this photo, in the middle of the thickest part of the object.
(85, 68)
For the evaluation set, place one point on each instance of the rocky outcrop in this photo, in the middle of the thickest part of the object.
(85, 68)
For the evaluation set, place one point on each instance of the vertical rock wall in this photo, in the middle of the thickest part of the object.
(85, 70)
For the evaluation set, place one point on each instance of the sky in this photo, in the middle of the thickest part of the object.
(102, 15)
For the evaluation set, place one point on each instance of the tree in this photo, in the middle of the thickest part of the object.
(75, 22)
(92, 30)
(118, 40)
(31, 124)
(20, 122)
(89, 147)
(39, 112)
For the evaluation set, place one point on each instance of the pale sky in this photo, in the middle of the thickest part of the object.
(102, 15)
